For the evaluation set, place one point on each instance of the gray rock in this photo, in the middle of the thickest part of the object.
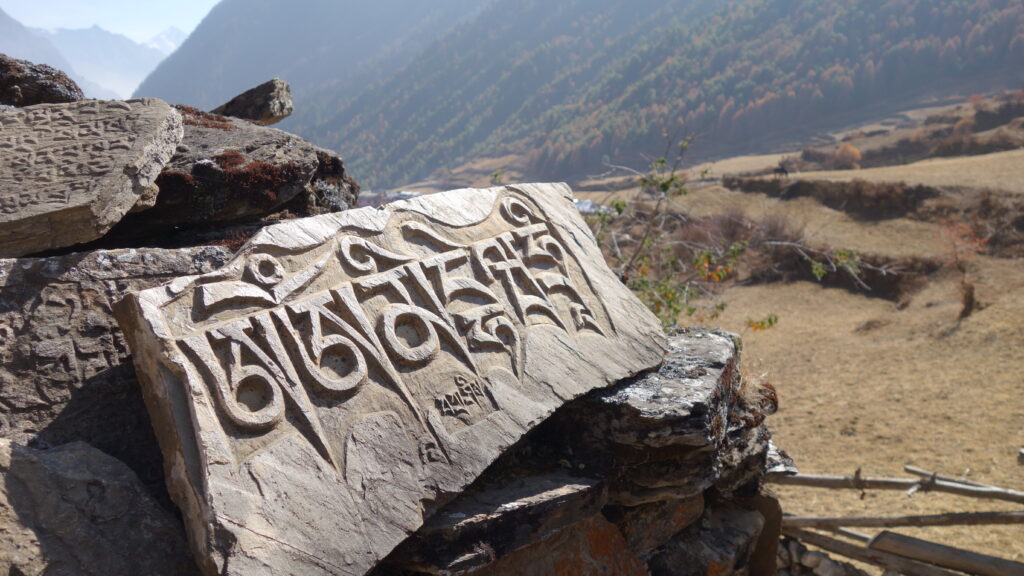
(23, 83)
(675, 432)
(73, 510)
(370, 365)
(493, 522)
(69, 172)
(812, 558)
(650, 526)
(228, 170)
(65, 373)
(724, 539)
(266, 104)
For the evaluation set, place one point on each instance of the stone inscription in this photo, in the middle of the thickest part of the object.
(371, 364)
(397, 313)
(82, 164)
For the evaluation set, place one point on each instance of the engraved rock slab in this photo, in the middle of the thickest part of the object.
(347, 375)
(69, 172)
(65, 372)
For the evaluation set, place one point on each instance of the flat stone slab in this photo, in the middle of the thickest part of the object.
(346, 375)
(65, 372)
(69, 172)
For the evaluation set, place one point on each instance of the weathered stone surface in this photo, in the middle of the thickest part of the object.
(228, 170)
(675, 432)
(23, 83)
(719, 545)
(266, 104)
(594, 547)
(651, 526)
(69, 172)
(369, 365)
(74, 510)
(481, 526)
(65, 374)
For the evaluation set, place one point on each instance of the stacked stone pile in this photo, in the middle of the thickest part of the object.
(210, 365)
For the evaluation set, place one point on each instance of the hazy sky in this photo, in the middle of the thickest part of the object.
(139, 20)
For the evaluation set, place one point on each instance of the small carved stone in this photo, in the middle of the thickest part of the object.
(75, 510)
(370, 364)
(266, 104)
(69, 172)
(23, 83)
(64, 368)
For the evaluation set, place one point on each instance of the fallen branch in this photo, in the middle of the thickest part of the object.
(945, 556)
(968, 519)
(879, 558)
(931, 484)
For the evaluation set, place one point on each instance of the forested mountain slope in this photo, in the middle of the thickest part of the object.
(326, 49)
(585, 81)
(406, 88)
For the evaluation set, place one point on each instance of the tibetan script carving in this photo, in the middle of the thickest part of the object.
(362, 365)
(69, 172)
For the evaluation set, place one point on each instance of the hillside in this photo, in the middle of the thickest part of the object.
(570, 89)
(326, 50)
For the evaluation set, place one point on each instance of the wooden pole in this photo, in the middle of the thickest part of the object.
(968, 519)
(945, 556)
(927, 474)
(879, 558)
(858, 482)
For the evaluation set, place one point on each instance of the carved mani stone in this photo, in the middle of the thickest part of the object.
(346, 375)
(69, 172)
(65, 374)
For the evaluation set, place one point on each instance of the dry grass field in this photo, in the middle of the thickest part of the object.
(864, 384)
(1003, 171)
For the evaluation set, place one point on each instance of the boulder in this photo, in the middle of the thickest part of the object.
(69, 172)
(345, 376)
(228, 170)
(65, 373)
(23, 83)
(266, 104)
(75, 510)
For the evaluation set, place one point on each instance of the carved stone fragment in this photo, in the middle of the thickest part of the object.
(346, 375)
(75, 510)
(23, 83)
(64, 368)
(69, 172)
(266, 104)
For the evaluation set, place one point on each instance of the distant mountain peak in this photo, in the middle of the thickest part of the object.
(167, 41)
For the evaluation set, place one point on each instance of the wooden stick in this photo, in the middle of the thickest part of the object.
(858, 482)
(968, 519)
(926, 474)
(847, 533)
(945, 556)
(885, 560)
